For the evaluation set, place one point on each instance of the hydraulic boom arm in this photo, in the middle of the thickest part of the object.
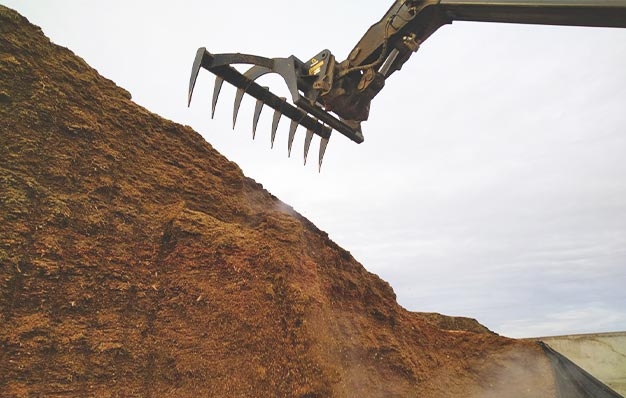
(330, 95)
(409, 23)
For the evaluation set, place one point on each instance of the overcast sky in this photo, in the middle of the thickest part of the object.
(492, 179)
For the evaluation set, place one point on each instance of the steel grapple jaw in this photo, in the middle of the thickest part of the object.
(308, 84)
(327, 95)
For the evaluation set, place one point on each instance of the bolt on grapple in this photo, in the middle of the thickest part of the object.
(327, 95)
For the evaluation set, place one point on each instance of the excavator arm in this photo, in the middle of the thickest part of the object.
(329, 95)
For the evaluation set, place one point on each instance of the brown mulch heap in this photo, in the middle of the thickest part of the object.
(135, 260)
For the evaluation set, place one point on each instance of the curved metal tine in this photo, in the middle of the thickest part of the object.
(275, 121)
(252, 74)
(258, 107)
(216, 92)
(323, 146)
(195, 69)
(292, 133)
(307, 143)
(228, 59)
(238, 98)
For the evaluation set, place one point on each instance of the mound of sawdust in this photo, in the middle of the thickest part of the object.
(137, 261)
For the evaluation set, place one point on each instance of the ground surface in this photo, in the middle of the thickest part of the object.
(135, 260)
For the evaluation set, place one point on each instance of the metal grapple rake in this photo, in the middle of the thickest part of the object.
(295, 73)
(327, 95)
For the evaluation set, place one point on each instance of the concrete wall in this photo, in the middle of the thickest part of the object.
(603, 355)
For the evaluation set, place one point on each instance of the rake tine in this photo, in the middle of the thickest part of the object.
(275, 121)
(307, 144)
(323, 146)
(292, 133)
(238, 98)
(216, 92)
(252, 74)
(258, 107)
(195, 69)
